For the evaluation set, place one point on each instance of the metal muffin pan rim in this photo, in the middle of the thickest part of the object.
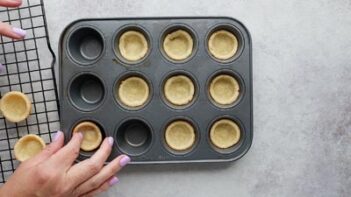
(125, 75)
(179, 72)
(232, 29)
(174, 27)
(89, 63)
(134, 118)
(236, 146)
(80, 74)
(115, 43)
(237, 77)
(177, 153)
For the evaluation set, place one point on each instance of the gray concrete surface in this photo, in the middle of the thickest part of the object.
(302, 55)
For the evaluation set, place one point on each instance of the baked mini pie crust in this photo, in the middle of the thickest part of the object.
(223, 44)
(92, 136)
(28, 146)
(15, 106)
(224, 89)
(178, 45)
(224, 134)
(180, 135)
(179, 90)
(133, 45)
(133, 91)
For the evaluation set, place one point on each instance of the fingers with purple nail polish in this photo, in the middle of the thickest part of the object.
(11, 32)
(114, 180)
(110, 140)
(57, 135)
(124, 160)
(6, 29)
(20, 32)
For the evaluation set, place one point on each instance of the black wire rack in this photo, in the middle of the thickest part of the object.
(29, 68)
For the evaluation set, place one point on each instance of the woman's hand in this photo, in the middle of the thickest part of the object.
(6, 29)
(53, 172)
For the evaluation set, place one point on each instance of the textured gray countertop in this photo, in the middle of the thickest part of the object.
(302, 120)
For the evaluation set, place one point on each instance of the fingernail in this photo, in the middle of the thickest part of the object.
(19, 31)
(110, 141)
(80, 134)
(2, 68)
(113, 181)
(124, 161)
(57, 135)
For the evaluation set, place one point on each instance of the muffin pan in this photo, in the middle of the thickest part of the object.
(158, 87)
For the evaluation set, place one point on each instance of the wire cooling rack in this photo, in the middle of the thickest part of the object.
(29, 69)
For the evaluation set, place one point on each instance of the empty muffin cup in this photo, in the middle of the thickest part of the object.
(133, 92)
(178, 45)
(85, 45)
(134, 137)
(224, 89)
(15, 106)
(180, 135)
(86, 92)
(179, 90)
(133, 46)
(28, 146)
(92, 136)
(224, 134)
(223, 44)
